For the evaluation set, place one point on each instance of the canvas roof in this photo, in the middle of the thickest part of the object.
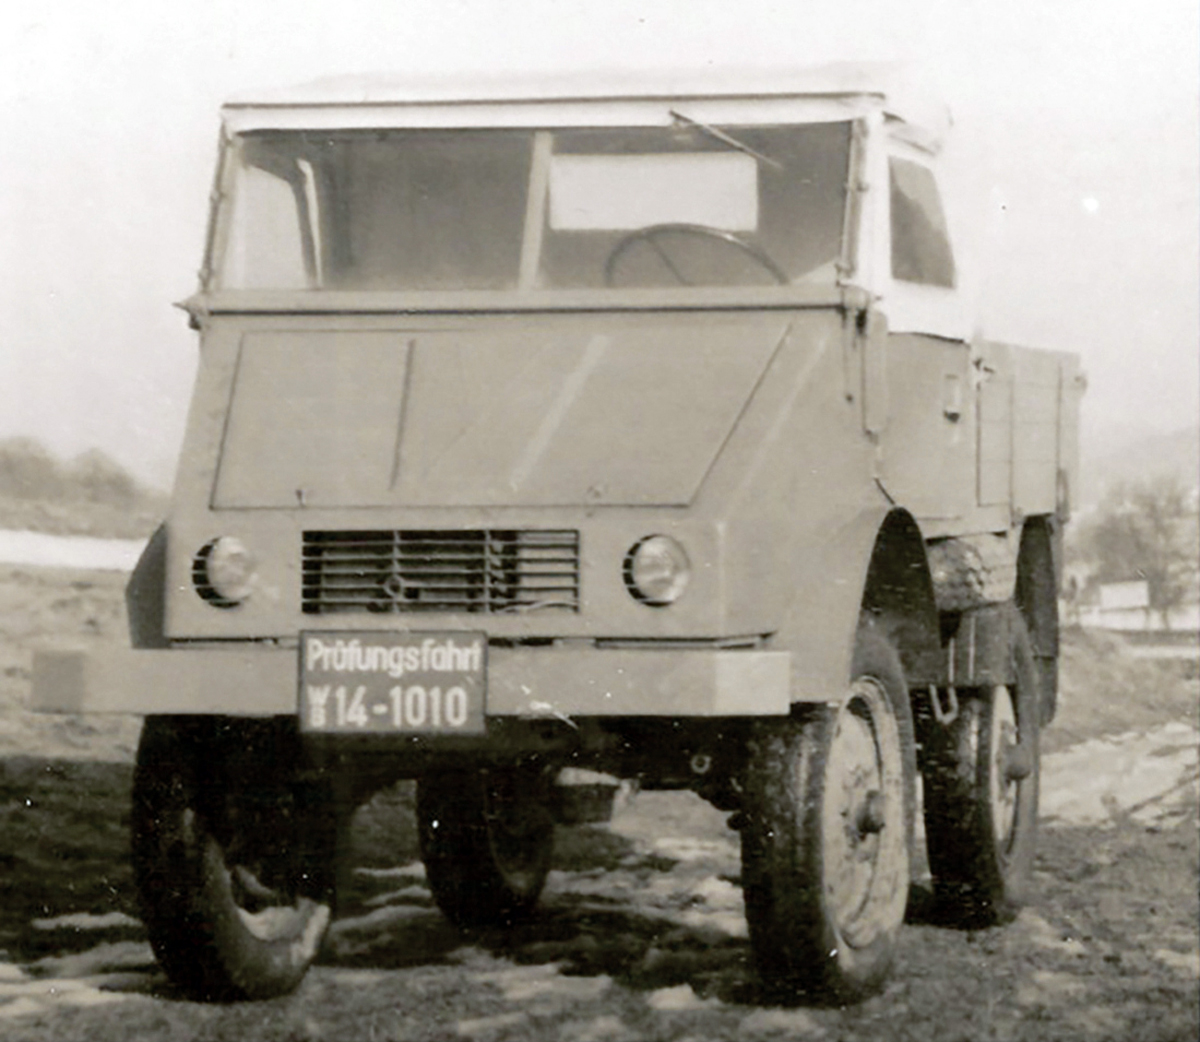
(822, 93)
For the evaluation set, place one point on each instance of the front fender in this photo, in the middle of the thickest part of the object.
(145, 594)
(874, 561)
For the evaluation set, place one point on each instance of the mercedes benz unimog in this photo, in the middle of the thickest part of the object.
(634, 431)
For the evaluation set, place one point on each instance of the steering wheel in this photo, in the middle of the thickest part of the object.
(653, 232)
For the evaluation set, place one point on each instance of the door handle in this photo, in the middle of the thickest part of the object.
(952, 397)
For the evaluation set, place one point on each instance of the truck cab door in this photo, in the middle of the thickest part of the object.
(927, 447)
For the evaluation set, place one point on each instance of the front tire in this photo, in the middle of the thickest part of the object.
(486, 838)
(233, 866)
(830, 800)
(981, 776)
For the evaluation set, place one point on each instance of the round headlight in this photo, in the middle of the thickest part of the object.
(223, 572)
(657, 570)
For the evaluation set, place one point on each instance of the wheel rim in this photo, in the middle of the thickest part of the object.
(261, 877)
(268, 914)
(1006, 768)
(865, 861)
(306, 918)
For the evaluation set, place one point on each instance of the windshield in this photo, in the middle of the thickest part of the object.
(685, 205)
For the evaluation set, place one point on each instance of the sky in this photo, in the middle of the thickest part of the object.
(1075, 166)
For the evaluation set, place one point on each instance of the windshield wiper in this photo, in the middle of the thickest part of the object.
(725, 139)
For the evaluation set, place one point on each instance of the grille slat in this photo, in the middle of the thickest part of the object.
(485, 571)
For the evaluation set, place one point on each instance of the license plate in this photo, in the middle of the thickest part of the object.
(393, 683)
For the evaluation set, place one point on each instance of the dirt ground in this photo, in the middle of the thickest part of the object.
(640, 934)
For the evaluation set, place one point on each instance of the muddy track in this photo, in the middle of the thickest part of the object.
(640, 936)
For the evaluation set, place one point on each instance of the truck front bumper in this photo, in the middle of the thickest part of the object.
(521, 682)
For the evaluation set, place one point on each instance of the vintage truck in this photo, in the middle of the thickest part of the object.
(633, 428)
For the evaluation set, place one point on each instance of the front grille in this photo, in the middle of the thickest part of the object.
(490, 570)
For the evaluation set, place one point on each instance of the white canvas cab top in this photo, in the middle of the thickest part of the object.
(819, 94)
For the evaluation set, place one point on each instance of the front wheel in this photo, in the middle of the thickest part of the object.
(830, 798)
(486, 838)
(232, 856)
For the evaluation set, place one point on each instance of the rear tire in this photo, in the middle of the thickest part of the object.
(830, 800)
(486, 838)
(234, 871)
(981, 777)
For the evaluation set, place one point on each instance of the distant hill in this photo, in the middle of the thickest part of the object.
(91, 494)
(1176, 453)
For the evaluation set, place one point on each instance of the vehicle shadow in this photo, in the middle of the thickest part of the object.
(609, 909)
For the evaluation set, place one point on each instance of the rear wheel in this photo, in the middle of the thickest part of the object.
(486, 839)
(233, 862)
(829, 807)
(981, 793)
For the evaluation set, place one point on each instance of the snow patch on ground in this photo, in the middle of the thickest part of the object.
(25, 997)
(602, 1029)
(484, 1027)
(679, 999)
(791, 1023)
(1043, 935)
(523, 983)
(686, 848)
(414, 894)
(104, 958)
(69, 551)
(1148, 776)
(1049, 987)
(87, 921)
(414, 872)
(1187, 963)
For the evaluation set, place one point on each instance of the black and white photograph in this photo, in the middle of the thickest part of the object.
(600, 522)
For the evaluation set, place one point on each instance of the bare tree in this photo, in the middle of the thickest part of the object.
(1146, 530)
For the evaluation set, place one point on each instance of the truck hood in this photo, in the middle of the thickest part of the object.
(631, 411)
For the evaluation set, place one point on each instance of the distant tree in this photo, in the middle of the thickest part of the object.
(1146, 530)
(98, 478)
(29, 471)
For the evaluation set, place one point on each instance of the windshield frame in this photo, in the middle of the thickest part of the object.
(526, 295)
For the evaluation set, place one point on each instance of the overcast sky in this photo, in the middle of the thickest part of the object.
(1076, 153)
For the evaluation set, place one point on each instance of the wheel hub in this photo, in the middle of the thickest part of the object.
(1016, 762)
(871, 818)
